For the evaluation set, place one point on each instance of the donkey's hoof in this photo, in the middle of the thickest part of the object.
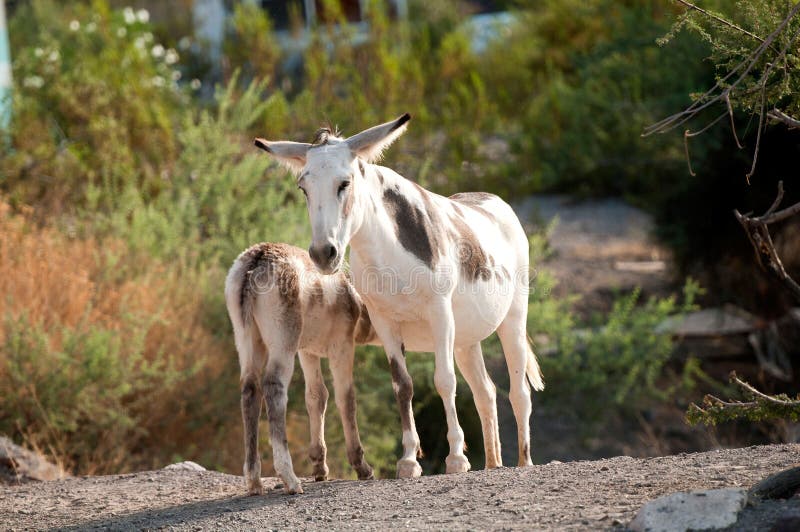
(320, 472)
(365, 472)
(292, 486)
(293, 489)
(254, 487)
(457, 464)
(408, 469)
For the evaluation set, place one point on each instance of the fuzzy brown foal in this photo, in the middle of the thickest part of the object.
(280, 305)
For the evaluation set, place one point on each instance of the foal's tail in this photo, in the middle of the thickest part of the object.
(532, 369)
(239, 299)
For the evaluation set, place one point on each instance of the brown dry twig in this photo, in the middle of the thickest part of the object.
(780, 116)
(758, 233)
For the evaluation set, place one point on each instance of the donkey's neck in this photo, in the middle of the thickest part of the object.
(371, 242)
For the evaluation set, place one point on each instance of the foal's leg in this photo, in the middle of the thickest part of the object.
(342, 369)
(316, 403)
(276, 384)
(251, 362)
(514, 338)
(444, 377)
(470, 362)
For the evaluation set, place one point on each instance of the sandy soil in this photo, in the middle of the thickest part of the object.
(602, 494)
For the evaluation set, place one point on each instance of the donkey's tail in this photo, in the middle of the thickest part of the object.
(532, 369)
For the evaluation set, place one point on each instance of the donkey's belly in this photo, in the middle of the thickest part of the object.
(477, 315)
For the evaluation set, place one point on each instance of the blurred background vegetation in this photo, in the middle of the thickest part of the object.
(129, 184)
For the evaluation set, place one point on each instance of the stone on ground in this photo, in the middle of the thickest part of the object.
(696, 510)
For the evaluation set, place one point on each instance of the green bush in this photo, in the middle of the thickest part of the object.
(85, 401)
(94, 105)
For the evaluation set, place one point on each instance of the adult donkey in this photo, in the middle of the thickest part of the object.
(436, 274)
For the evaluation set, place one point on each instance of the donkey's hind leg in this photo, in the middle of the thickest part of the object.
(514, 338)
(342, 369)
(470, 363)
(316, 403)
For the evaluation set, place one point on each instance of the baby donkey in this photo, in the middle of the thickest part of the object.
(279, 305)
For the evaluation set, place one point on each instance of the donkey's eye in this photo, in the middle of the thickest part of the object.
(342, 186)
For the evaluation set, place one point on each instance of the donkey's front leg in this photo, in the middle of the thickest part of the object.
(444, 377)
(407, 466)
(276, 383)
(342, 370)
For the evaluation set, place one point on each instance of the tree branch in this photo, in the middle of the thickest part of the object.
(760, 406)
(720, 20)
(758, 233)
(759, 395)
(780, 116)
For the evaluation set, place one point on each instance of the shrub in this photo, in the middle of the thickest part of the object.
(94, 102)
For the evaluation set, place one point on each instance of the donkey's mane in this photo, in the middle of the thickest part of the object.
(325, 133)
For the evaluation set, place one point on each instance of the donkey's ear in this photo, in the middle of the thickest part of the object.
(292, 155)
(370, 143)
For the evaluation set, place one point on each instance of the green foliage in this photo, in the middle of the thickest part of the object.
(221, 196)
(731, 46)
(756, 406)
(621, 363)
(94, 103)
(251, 44)
(594, 78)
(108, 146)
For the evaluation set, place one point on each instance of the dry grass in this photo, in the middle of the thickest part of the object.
(59, 283)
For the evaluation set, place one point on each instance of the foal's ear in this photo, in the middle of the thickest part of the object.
(370, 143)
(292, 155)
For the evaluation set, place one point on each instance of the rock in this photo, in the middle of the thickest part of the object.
(722, 321)
(696, 510)
(19, 464)
(781, 485)
(185, 466)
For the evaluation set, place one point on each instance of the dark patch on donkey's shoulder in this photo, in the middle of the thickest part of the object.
(413, 228)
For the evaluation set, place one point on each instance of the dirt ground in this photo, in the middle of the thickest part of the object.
(602, 494)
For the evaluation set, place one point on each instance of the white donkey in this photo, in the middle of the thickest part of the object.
(437, 274)
(280, 305)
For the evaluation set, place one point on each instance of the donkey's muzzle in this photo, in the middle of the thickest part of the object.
(324, 256)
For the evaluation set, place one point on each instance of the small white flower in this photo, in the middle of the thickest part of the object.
(157, 81)
(148, 37)
(176, 75)
(122, 32)
(54, 56)
(171, 57)
(184, 43)
(195, 84)
(38, 52)
(33, 82)
(157, 51)
(143, 15)
(90, 27)
(129, 15)
(74, 25)
(139, 43)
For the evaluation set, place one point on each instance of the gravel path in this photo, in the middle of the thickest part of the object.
(599, 494)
